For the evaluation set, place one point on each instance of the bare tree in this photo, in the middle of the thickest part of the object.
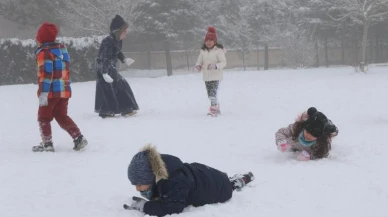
(28, 13)
(266, 19)
(93, 16)
(297, 45)
(363, 12)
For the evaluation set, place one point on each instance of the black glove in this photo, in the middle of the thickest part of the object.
(121, 57)
(137, 204)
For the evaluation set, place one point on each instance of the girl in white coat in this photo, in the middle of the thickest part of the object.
(211, 61)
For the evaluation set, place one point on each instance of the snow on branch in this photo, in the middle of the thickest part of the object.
(77, 43)
(93, 16)
(361, 10)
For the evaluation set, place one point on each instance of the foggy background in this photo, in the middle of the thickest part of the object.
(258, 34)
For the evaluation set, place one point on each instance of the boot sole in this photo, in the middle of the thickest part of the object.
(252, 176)
(81, 146)
(35, 150)
(213, 115)
(130, 114)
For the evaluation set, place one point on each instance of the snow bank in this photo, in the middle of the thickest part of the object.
(78, 43)
(172, 115)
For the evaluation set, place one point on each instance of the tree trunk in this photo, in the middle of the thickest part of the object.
(342, 48)
(258, 57)
(314, 38)
(243, 58)
(386, 54)
(168, 57)
(266, 57)
(380, 50)
(316, 53)
(363, 46)
(187, 60)
(381, 46)
(371, 58)
(377, 56)
(326, 52)
(149, 63)
(355, 53)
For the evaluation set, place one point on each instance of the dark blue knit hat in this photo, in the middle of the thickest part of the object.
(140, 171)
(117, 23)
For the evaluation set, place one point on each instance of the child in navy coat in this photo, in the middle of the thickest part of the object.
(171, 185)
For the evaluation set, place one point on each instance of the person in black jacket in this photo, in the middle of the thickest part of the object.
(170, 185)
(113, 93)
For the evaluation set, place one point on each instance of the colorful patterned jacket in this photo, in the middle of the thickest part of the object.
(53, 70)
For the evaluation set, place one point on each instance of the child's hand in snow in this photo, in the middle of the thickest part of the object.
(137, 204)
(303, 156)
(284, 146)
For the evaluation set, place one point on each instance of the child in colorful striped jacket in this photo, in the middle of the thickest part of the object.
(54, 89)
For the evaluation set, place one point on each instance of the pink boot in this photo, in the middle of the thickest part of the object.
(214, 110)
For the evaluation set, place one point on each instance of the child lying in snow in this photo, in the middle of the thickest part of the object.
(170, 185)
(310, 136)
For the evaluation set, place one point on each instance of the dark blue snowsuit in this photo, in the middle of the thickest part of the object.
(188, 184)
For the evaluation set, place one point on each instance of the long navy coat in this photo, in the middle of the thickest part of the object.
(187, 184)
(117, 97)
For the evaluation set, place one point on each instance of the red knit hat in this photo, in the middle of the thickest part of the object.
(47, 32)
(211, 34)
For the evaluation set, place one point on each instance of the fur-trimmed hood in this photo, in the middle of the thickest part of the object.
(157, 164)
(149, 166)
(162, 164)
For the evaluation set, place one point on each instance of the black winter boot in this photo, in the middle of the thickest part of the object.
(43, 147)
(80, 142)
(239, 181)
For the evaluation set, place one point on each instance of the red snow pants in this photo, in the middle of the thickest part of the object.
(56, 108)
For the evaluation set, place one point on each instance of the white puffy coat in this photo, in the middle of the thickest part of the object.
(213, 56)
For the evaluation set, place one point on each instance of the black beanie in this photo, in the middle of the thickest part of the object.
(316, 122)
(117, 23)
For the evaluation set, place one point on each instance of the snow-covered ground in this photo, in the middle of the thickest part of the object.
(352, 182)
